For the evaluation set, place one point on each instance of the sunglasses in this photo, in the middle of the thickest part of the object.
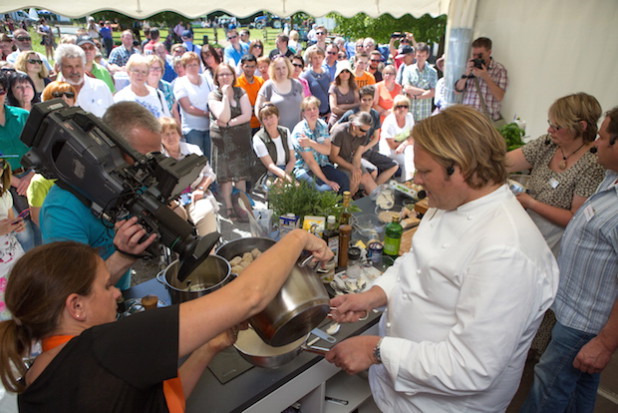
(232, 37)
(364, 130)
(297, 65)
(69, 95)
(2, 92)
(332, 53)
(258, 45)
(319, 33)
(35, 62)
(23, 39)
(402, 106)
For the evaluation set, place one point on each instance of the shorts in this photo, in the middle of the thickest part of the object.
(382, 162)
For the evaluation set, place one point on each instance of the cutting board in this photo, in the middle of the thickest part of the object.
(406, 240)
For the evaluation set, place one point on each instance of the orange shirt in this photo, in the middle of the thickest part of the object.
(252, 90)
(366, 79)
(386, 97)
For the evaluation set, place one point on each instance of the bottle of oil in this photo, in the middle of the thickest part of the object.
(344, 218)
(331, 235)
(392, 238)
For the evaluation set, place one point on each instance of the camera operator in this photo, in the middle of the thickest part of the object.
(64, 217)
(484, 82)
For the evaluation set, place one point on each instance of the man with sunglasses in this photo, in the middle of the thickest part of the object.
(92, 68)
(330, 62)
(234, 51)
(23, 43)
(375, 59)
(348, 142)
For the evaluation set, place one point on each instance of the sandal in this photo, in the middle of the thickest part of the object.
(230, 213)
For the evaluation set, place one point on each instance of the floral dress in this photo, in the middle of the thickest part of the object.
(10, 251)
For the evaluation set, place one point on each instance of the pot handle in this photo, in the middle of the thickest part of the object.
(307, 261)
(161, 277)
(315, 349)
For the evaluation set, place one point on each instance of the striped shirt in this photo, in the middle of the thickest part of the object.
(589, 261)
(498, 74)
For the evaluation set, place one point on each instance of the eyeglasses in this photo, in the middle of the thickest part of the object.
(551, 125)
(402, 106)
(376, 60)
(35, 62)
(297, 65)
(225, 74)
(23, 38)
(232, 37)
(388, 74)
(69, 95)
(139, 72)
(156, 69)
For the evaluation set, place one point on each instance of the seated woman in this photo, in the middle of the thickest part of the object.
(139, 91)
(564, 172)
(63, 294)
(312, 147)
(31, 64)
(198, 201)
(273, 146)
(395, 137)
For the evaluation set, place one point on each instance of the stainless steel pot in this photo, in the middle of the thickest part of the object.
(300, 305)
(253, 349)
(213, 273)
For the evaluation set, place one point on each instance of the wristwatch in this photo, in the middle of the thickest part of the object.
(376, 351)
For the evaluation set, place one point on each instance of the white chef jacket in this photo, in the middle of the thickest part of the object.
(463, 307)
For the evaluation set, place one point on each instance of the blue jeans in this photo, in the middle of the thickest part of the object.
(558, 386)
(331, 174)
(200, 138)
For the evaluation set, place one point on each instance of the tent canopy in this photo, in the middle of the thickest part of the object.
(142, 9)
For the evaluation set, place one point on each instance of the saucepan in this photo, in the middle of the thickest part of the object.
(301, 304)
(253, 349)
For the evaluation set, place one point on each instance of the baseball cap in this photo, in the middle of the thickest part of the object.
(406, 49)
(83, 39)
(187, 33)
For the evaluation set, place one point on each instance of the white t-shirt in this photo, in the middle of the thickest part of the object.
(260, 149)
(154, 101)
(198, 96)
(95, 96)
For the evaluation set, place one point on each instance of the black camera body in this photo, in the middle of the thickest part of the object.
(89, 159)
(397, 35)
(478, 62)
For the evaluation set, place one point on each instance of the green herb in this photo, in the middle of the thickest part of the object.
(512, 135)
(302, 198)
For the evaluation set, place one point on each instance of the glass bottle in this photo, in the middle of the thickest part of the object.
(354, 262)
(331, 235)
(344, 218)
(392, 238)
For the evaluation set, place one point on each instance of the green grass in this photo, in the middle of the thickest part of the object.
(267, 36)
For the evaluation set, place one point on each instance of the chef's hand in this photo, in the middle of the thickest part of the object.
(354, 354)
(593, 357)
(128, 235)
(526, 200)
(348, 308)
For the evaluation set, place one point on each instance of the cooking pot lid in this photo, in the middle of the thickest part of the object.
(192, 259)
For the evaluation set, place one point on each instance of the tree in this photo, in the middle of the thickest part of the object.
(425, 28)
